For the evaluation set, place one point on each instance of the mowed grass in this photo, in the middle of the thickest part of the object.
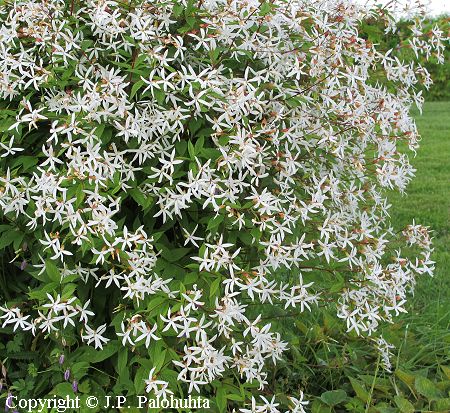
(428, 202)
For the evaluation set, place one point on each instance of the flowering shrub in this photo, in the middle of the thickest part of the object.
(174, 170)
(400, 41)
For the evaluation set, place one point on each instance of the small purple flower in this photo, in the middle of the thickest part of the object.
(61, 359)
(67, 375)
(8, 403)
(75, 386)
(23, 265)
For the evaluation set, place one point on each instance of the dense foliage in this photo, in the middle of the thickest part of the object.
(440, 73)
(175, 173)
(400, 45)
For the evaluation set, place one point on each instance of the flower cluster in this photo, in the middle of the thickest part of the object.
(194, 160)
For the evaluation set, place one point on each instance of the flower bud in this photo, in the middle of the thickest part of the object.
(8, 403)
(67, 375)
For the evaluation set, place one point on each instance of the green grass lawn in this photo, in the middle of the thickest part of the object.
(428, 202)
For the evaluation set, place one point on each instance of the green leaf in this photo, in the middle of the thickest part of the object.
(379, 383)
(265, 8)
(52, 271)
(40, 293)
(158, 362)
(79, 195)
(139, 383)
(177, 9)
(403, 405)
(199, 144)
(174, 254)
(181, 147)
(8, 237)
(159, 95)
(338, 284)
(214, 54)
(236, 397)
(4, 228)
(122, 359)
(246, 237)
(191, 150)
(443, 405)
(63, 389)
(426, 388)
(79, 369)
(84, 387)
(210, 153)
(446, 371)
(140, 198)
(195, 124)
(157, 354)
(215, 222)
(334, 397)
(156, 306)
(319, 407)
(385, 408)
(214, 286)
(221, 399)
(96, 356)
(359, 389)
(14, 345)
(68, 291)
(405, 377)
(26, 161)
(135, 88)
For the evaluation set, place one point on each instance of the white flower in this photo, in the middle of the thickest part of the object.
(84, 312)
(298, 405)
(159, 387)
(190, 237)
(95, 336)
(9, 148)
(147, 334)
